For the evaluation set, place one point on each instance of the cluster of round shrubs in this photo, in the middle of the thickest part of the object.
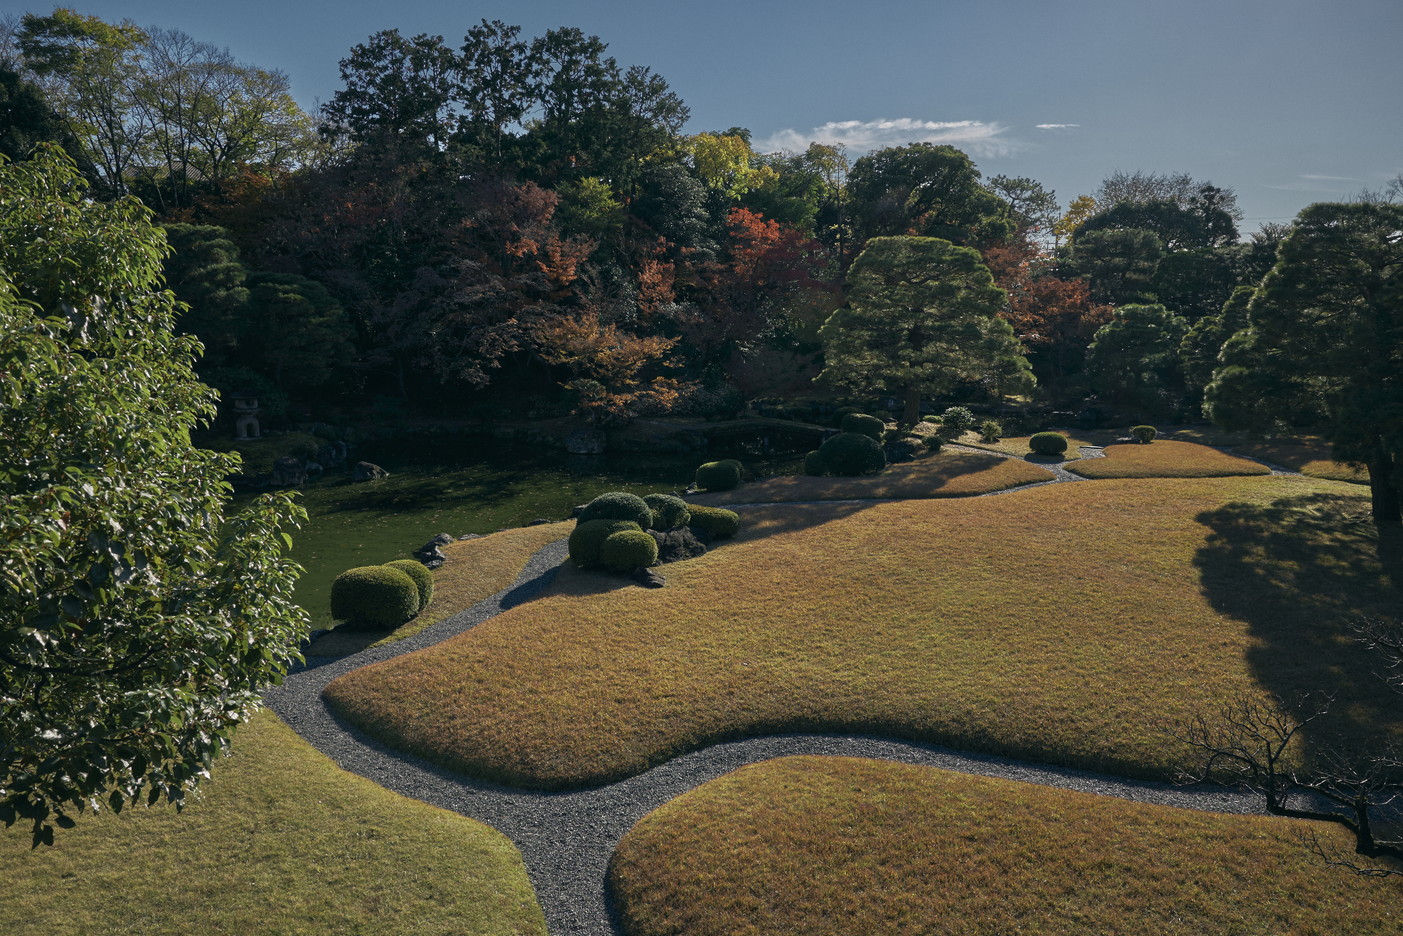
(381, 597)
(611, 532)
(855, 450)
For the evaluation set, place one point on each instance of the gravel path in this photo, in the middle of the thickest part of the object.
(566, 839)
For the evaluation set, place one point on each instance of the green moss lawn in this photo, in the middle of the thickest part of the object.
(834, 846)
(1066, 623)
(281, 842)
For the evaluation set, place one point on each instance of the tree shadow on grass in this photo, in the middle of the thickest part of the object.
(1300, 572)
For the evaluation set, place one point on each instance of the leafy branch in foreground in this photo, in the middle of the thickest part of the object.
(138, 624)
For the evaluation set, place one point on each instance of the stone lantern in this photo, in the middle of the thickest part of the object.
(245, 415)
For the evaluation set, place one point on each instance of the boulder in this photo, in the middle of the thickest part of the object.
(333, 454)
(648, 578)
(366, 471)
(677, 544)
(429, 553)
(289, 471)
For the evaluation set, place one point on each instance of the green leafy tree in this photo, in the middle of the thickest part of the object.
(204, 272)
(1120, 264)
(922, 315)
(1326, 333)
(1198, 353)
(25, 117)
(925, 190)
(296, 331)
(1135, 355)
(138, 624)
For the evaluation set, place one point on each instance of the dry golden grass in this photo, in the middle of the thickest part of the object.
(1309, 458)
(835, 846)
(1165, 459)
(1017, 446)
(474, 570)
(280, 842)
(944, 474)
(1061, 624)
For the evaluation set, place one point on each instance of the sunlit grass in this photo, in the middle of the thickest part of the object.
(1165, 459)
(944, 474)
(1062, 623)
(280, 842)
(474, 570)
(1017, 446)
(838, 846)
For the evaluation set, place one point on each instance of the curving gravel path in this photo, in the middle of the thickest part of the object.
(566, 839)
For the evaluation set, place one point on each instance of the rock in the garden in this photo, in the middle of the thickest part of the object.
(429, 553)
(333, 454)
(676, 545)
(366, 471)
(647, 578)
(289, 471)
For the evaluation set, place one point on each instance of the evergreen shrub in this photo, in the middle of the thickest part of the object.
(716, 522)
(852, 453)
(1048, 443)
(719, 475)
(1144, 434)
(627, 550)
(374, 598)
(991, 430)
(618, 505)
(587, 539)
(813, 464)
(668, 511)
(956, 421)
(867, 425)
(423, 578)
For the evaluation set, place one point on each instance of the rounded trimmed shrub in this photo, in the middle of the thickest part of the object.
(717, 522)
(618, 505)
(852, 453)
(668, 511)
(719, 475)
(956, 421)
(991, 430)
(1048, 443)
(933, 442)
(587, 539)
(1143, 434)
(867, 425)
(931, 419)
(423, 578)
(627, 550)
(374, 598)
(813, 464)
(843, 412)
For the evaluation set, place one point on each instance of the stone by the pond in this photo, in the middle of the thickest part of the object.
(367, 471)
(429, 553)
(289, 471)
(585, 441)
(540, 521)
(333, 454)
(647, 578)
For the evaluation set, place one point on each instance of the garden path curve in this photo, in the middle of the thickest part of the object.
(566, 839)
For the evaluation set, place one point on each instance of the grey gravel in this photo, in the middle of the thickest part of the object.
(566, 839)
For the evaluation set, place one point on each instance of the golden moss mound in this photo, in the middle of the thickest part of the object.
(830, 846)
(1165, 459)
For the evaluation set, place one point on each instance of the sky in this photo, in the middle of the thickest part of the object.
(1287, 102)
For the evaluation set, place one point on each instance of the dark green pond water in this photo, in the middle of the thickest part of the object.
(452, 486)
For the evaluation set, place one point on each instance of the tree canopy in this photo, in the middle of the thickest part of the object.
(1326, 333)
(138, 624)
(922, 315)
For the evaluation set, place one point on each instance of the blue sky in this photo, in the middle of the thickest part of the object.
(1286, 101)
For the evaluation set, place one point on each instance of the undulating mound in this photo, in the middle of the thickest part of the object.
(1165, 459)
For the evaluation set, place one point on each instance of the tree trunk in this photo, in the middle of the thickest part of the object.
(912, 414)
(1386, 507)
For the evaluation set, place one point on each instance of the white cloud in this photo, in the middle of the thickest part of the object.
(1326, 184)
(1330, 178)
(977, 137)
(1057, 126)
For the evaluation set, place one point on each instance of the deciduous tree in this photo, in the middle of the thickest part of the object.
(138, 624)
